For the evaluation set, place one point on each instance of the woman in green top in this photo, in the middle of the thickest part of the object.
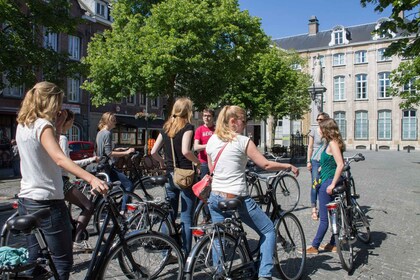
(332, 165)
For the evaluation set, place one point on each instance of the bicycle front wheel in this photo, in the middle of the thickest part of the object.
(153, 218)
(287, 192)
(290, 247)
(144, 256)
(360, 222)
(212, 261)
(343, 241)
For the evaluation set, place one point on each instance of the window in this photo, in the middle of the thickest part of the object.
(74, 47)
(143, 99)
(339, 36)
(73, 133)
(361, 126)
(339, 92)
(384, 85)
(381, 56)
(384, 125)
(409, 125)
(361, 86)
(410, 87)
(340, 118)
(73, 90)
(155, 102)
(339, 59)
(360, 57)
(50, 40)
(101, 9)
(131, 99)
(12, 91)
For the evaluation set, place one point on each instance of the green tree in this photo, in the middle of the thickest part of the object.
(405, 79)
(22, 27)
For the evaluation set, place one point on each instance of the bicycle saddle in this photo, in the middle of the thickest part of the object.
(339, 189)
(159, 180)
(229, 204)
(27, 223)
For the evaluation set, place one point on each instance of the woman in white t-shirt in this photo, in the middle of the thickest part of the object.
(229, 179)
(41, 185)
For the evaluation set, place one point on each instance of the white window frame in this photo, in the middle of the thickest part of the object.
(339, 88)
(131, 99)
(73, 133)
(360, 57)
(361, 126)
(142, 99)
(409, 125)
(74, 47)
(338, 36)
(380, 55)
(340, 118)
(73, 90)
(50, 40)
(384, 85)
(361, 87)
(410, 87)
(339, 59)
(101, 9)
(384, 125)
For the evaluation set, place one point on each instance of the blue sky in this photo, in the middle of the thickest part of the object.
(283, 18)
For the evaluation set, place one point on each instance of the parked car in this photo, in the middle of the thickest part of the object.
(81, 149)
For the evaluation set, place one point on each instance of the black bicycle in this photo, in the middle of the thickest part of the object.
(235, 260)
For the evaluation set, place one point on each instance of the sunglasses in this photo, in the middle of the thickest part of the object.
(319, 120)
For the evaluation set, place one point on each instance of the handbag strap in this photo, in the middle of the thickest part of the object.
(173, 154)
(217, 158)
(317, 151)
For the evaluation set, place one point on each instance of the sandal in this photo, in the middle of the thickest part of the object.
(314, 214)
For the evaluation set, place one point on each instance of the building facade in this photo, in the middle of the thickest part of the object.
(356, 75)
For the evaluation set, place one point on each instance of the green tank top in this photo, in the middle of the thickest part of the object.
(328, 166)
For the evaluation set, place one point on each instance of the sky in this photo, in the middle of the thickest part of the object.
(284, 18)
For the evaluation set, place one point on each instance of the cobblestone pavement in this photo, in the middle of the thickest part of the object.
(389, 186)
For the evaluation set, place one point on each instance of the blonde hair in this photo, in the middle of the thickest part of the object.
(105, 119)
(181, 115)
(42, 101)
(330, 131)
(223, 129)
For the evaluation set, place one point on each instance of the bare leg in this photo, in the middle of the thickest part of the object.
(77, 198)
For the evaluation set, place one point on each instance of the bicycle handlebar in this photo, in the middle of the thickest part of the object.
(357, 157)
(268, 178)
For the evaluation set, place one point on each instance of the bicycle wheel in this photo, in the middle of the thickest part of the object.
(256, 193)
(155, 256)
(290, 247)
(153, 218)
(343, 241)
(102, 211)
(203, 265)
(10, 239)
(201, 215)
(360, 222)
(287, 192)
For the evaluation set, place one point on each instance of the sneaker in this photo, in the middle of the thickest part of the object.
(328, 248)
(82, 247)
(312, 251)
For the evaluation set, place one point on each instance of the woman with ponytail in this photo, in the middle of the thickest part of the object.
(181, 131)
(229, 179)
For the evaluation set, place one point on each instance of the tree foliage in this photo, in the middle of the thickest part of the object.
(22, 28)
(407, 46)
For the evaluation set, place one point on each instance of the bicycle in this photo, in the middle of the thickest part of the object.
(348, 222)
(290, 256)
(137, 255)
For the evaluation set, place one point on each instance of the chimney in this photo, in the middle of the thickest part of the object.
(313, 25)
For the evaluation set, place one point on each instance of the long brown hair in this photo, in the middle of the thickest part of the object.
(330, 131)
(44, 100)
(223, 129)
(181, 115)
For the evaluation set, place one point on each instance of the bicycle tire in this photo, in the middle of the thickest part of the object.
(200, 217)
(360, 222)
(290, 247)
(255, 193)
(157, 220)
(202, 261)
(344, 241)
(287, 192)
(151, 251)
(101, 210)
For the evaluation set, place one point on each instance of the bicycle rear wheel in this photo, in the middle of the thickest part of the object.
(343, 241)
(290, 247)
(360, 222)
(287, 192)
(154, 255)
(152, 218)
(201, 215)
(205, 267)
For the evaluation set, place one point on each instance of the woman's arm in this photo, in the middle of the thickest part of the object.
(50, 144)
(310, 150)
(255, 155)
(155, 150)
(338, 158)
(186, 150)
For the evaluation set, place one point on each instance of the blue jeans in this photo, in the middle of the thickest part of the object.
(127, 185)
(324, 199)
(314, 176)
(57, 233)
(187, 208)
(252, 215)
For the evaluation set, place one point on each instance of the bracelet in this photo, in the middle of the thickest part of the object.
(308, 162)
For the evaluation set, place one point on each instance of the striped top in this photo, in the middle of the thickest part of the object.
(328, 166)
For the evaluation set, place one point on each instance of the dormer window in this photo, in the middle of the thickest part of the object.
(339, 36)
(101, 9)
(387, 34)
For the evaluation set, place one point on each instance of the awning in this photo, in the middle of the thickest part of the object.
(130, 121)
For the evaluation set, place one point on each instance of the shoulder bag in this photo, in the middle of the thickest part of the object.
(202, 188)
(184, 178)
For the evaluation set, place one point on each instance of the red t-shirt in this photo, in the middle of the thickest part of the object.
(203, 134)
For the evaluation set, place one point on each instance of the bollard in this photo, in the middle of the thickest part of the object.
(408, 148)
(370, 147)
(398, 147)
(376, 147)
